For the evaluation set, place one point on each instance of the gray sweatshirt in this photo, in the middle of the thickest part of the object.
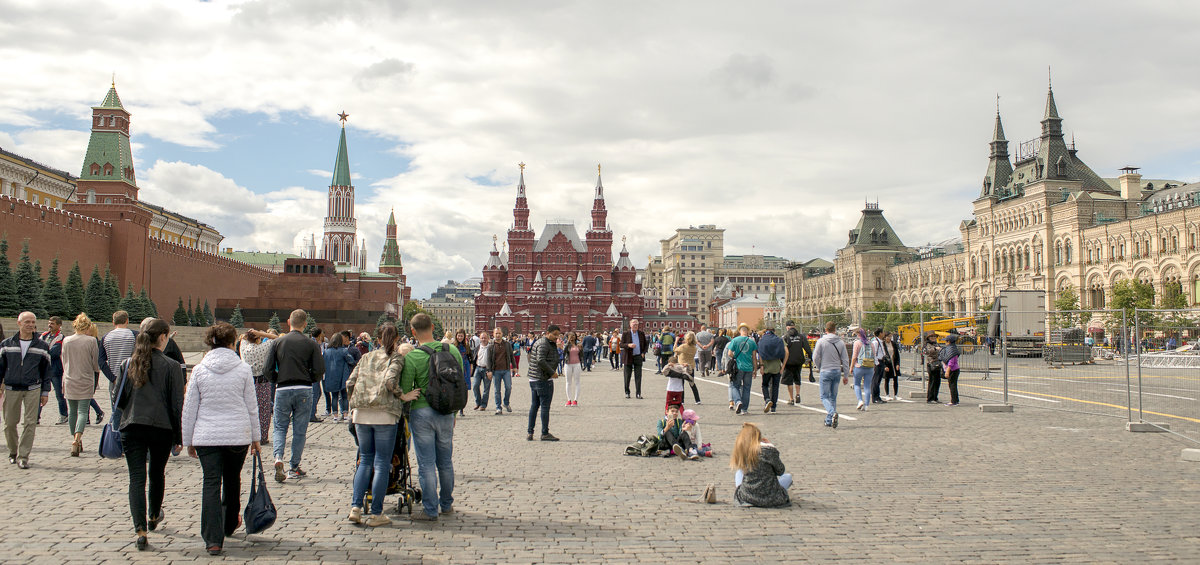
(830, 354)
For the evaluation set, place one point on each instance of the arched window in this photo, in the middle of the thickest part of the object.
(599, 284)
(558, 284)
(520, 283)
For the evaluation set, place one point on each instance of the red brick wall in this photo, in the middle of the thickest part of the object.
(177, 271)
(52, 232)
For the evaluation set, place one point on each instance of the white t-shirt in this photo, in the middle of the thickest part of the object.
(25, 346)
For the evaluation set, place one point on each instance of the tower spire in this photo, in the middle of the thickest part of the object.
(341, 166)
(339, 242)
(521, 211)
(999, 171)
(599, 185)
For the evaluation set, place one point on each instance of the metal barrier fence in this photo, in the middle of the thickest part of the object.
(1167, 360)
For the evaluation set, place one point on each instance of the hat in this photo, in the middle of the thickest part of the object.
(951, 337)
(690, 414)
(743, 325)
(790, 323)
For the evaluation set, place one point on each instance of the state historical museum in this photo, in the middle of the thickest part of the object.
(558, 278)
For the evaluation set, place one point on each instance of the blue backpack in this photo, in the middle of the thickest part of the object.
(770, 347)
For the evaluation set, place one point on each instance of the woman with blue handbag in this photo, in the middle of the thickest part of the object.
(150, 397)
(220, 423)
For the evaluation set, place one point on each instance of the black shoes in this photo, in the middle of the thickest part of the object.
(529, 437)
(142, 542)
(835, 420)
(156, 520)
(547, 437)
(639, 397)
(22, 463)
(627, 395)
(12, 457)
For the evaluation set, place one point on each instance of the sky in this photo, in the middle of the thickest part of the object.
(773, 120)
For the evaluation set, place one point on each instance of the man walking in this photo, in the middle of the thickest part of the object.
(704, 340)
(500, 364)
(24, 386)
(115, 348)
(481, 358)
(742, 348)
(771, 353)
(633, 351)
(797, 351)
(432, 431)
(54, 338)
(588, 346)
(832, 361)
(543, 362)
(294, 365)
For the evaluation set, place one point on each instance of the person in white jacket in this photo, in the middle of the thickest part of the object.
(220, 423)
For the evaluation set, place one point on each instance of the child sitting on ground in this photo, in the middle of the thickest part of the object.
(758, 472)
(671, 430)
(691, 425)
(676, 374)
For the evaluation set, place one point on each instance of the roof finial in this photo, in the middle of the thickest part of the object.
(597, 168)
(522, 165)
(622, 240)
(997, 103)
(114, 79)
(342, 116)
(1049, 78)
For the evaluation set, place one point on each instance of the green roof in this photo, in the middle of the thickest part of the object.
(341, 167)
(111, 100)
(873, 230)
(108, 147)
(261, 258)
(391, 254)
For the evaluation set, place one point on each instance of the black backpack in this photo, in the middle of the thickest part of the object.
(446, 391)
(795, 349)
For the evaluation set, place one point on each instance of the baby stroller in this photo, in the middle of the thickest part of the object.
(400, 479)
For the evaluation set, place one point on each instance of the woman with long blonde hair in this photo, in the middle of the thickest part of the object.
(81, 363)
(759, 477)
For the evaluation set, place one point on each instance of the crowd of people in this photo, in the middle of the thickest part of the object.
(257, 387)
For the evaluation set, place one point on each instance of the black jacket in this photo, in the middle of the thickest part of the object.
(543, 360)
(30, 373)
(294, 359)
(627, 338)
(159, 402)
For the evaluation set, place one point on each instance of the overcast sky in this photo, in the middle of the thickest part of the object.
(773, 120)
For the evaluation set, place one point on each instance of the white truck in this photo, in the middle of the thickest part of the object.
(1024, 316)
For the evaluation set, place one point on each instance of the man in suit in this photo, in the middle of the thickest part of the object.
(634, 344)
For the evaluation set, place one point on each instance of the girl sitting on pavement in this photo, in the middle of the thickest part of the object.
(691, 425)
(675, 433)
(759, 476)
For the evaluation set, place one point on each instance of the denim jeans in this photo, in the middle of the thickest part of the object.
(785, 480)
(375, 446)
(433, 441)
(337, 401)
(56, 380)
(482, 382)
(829, 388)
(742, 381)
(770, 388)
(505, 378)
(291, 407)
(316, 395)
(862, 384)
(542, 395)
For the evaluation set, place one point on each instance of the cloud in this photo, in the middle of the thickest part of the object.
(774, 121)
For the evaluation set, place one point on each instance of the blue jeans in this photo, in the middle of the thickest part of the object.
(433, 441)
(291, 406)
(505, 378)
(542, 395)
(56, 380)
(375, 445)
(862, 384)
(743, 380)
(482, 382)
(829, 388)
(337, 399)
(316, 395)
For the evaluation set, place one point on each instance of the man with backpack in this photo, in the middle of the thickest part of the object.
(771, 354)
(543, 364)
(667, 342)
(430, 370)
(797, 351)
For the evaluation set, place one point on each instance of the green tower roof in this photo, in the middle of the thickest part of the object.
(341, 167)
(111, 100)
(108, 147)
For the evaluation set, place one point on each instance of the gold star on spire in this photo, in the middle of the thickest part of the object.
(342, 116)
(522, 165)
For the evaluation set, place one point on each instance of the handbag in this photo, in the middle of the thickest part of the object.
(110, 446)
(260, 511)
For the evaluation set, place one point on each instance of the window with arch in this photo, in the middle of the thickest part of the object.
(520, 283)
(558, 284)
(1067, 247)
(599, 284)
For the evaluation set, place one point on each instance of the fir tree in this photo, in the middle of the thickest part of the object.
(236, 319)
(181, 316)
(112, 290)
(74, 291)
(95, 302)
(54, 300)
(312, 323)
(274, 323)
(9, 305)
(29, 288)
(148, 306)
(191, 313)
(130, 304)
(208, 315)
(383, 319)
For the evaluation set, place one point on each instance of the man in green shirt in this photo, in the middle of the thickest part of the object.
(432, 431)
(742, 348)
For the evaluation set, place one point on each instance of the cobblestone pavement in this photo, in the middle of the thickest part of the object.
(903, 482)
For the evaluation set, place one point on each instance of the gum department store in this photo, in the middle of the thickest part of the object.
(1046, 221)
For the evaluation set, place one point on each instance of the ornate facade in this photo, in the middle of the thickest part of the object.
(1042, 221)
(558, 278)
(339, 242)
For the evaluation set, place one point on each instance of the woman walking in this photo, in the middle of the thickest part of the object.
(220, 422)
(573, 365)
(253, 349)
(151, 403)
(687, 357)
(376, 408)
(81, 363)
(461, 342)
(862, 363)
(338, 362)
